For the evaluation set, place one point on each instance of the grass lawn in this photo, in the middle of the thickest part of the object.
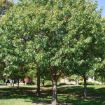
(15, 102)
(66, 94)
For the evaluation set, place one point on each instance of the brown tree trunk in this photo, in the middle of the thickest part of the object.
(54, 85)
(77, 80)
(43, 82)
(6, 82)
(85, 86)
(38, 82)
(54, 94)
(13, 82)
(18, 82)
(7, 3)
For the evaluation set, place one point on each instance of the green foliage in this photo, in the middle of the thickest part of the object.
(5, 5)
(62, 35)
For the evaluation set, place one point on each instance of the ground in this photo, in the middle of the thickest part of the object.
(25, 95)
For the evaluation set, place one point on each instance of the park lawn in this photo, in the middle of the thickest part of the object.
(15, 102)
(66, 94)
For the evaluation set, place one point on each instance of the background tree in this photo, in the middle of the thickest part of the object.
(5, 5)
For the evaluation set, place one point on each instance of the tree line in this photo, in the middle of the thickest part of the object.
(51, 38)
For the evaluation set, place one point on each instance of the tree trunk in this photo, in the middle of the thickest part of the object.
(85, 86)
(6, 82)
(77, 80)
(54, 90)
(18, 82)
(43, 81)
(54, 85)
(7, 3)
(13, 82)
(38, 82)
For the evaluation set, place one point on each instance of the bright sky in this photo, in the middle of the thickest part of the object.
(101, 4)
(15, 1)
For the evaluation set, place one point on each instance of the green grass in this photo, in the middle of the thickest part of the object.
(66, 94)
(15, 102)
(96, 95)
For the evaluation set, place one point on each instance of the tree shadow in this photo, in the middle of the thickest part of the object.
(25, 93)
(68, 94)
(74, 94)
(11, 93)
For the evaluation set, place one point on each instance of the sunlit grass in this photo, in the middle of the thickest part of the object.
(26, 95)
(15, 102)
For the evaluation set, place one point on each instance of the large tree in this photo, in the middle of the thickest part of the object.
(4, 6)
(59, 35)
(84, 44)
(100, 65)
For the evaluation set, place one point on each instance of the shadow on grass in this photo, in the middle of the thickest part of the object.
(75, 95)
(68, 94)
(24, 93)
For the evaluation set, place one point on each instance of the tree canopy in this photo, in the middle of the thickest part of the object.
(61, 36)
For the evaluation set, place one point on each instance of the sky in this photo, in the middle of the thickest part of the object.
(101, 4)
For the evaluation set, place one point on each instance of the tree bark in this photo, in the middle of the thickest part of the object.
(85, 86)
(6, 81)
(38, 82)
(13, 82)
(7, 3)
(77, 80)
(54, 85)
(43, 81)
(18, 82)
(54, 95)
